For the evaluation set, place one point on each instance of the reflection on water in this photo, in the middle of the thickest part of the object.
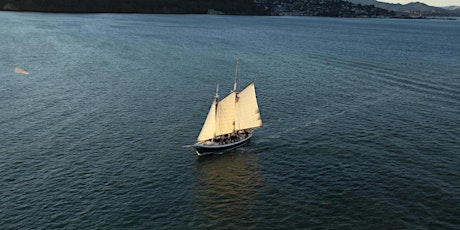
(227, 187)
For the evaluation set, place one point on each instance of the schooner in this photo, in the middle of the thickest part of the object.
(231, 120)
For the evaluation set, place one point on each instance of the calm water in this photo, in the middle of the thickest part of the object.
(361, 122)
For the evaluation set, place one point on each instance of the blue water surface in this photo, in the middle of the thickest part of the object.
(361, 122)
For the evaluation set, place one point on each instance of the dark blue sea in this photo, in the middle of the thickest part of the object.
(361, 122)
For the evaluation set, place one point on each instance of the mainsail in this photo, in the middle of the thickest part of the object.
(225, 119)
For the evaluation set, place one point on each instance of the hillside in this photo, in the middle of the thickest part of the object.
(451, 7)
(236, 7)
(413, 9)
(330, 8)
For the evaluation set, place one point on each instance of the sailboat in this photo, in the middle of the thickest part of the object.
(231, 120)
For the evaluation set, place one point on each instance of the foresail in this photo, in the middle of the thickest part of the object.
(225, 119)
(247, 110)
(209, 126)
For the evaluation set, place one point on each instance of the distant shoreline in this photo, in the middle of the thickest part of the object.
(321, 8)
(392, 17)
(337, 8)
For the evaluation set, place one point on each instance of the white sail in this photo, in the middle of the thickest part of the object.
(225, 119)
(247, 110)
(209, 127)
(237, 111)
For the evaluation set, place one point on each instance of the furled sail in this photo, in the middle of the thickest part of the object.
(209, 126)
(225, 119)
(246, 109)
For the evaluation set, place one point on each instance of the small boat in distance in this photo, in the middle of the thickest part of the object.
(230, 121)
(20, 71)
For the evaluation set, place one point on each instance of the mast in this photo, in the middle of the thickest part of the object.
(217, 93)
(236, 74)
(216, 99)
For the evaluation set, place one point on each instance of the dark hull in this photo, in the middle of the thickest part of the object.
(202, 150)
